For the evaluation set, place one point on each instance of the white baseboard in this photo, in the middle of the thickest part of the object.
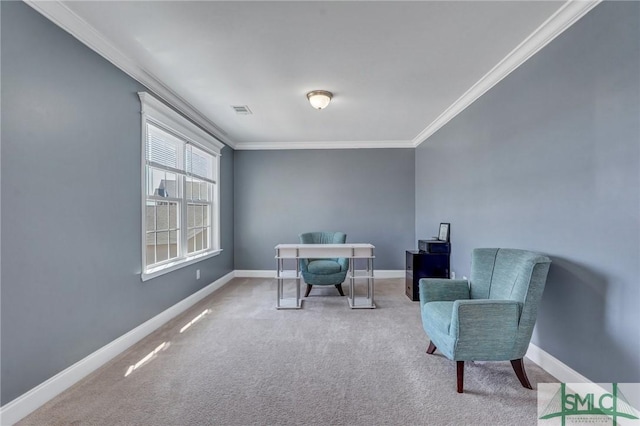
(20, 407)
(272, 273)
(390, 273)
(553, 366)
(562, 372)
(255, 273)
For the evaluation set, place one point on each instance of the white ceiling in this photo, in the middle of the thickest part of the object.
(398, 70)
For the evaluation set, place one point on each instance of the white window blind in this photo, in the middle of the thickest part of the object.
(162, 148)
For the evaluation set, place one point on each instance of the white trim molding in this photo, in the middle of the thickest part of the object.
(25, 404)
(389, 273)
(58, 13)
(271, 274)
(554, 366)
(165, 269)
(152, 107)
(264, 273)
(562, 372)
(564, 17)
(247, 146)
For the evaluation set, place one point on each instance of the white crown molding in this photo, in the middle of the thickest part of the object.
(322, 145)
(65, 18)
(25, 404)
(564, 17)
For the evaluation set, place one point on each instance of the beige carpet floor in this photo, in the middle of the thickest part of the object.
(233, 359)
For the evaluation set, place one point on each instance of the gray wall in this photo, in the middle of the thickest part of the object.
(71, 254)
(367, 193)
(549, 160)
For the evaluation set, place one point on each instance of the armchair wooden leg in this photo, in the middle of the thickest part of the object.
(339, 287)
(306, 294)
(460, 367)
(431, 349)
(518, 367)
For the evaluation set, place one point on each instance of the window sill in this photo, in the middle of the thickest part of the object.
(164, 269)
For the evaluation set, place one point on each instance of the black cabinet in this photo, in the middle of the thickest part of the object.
(424, 265)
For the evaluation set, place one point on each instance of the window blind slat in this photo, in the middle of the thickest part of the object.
(199, 163)
(201, 178)
(163, 148)
(167, 168)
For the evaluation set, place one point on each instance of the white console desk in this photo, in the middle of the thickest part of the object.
(363, 253)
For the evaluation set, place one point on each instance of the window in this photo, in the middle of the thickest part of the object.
(181, 211)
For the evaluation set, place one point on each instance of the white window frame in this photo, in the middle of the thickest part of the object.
(158, 114)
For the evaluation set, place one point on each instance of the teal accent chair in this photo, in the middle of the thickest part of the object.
(490, 317)
(324, 271)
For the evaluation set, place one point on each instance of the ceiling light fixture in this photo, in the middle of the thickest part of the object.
(319, 99)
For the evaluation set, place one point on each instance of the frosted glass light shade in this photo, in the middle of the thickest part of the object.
(319, 99)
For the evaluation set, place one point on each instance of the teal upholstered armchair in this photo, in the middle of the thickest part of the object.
(324, 271)
(491, 317)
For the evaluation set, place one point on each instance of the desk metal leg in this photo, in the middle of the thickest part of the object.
(289, 302)
(362, 302)
(279, 282)
(352, 281)
(298, 301)
(370, 281)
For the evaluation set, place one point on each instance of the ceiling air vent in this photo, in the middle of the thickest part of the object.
(241, 109)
